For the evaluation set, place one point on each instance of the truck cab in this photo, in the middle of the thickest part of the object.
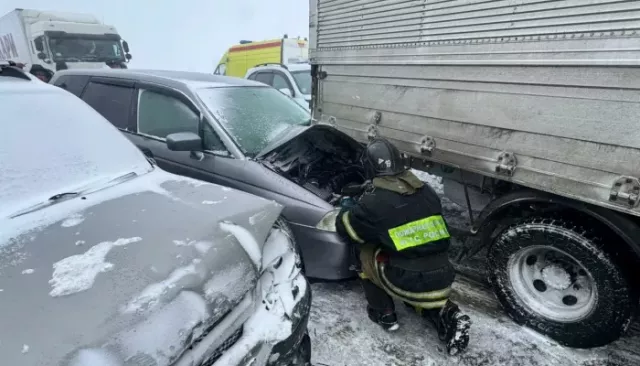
(56, 41)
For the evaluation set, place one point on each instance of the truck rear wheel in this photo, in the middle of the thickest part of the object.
(554, 277)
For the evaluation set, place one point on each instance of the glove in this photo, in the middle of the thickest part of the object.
(347, 202)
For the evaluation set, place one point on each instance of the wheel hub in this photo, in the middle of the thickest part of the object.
(552, 283)
(556, 277)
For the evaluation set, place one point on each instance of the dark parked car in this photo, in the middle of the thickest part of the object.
(107, 260)
(237, 133)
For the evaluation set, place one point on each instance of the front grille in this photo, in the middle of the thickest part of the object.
(228, 343)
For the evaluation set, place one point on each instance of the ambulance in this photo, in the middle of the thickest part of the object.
(248, 54)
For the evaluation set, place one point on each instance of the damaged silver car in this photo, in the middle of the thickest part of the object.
(107, 260)
(237, 133)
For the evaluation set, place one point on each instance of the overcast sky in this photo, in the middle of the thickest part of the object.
(185, 34)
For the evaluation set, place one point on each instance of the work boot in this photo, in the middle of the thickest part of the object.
(387, 319)
(453, 327)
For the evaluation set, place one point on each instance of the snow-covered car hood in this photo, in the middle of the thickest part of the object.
(131, 275)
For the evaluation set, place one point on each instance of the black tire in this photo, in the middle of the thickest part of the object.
(283, 224)
(613, 305)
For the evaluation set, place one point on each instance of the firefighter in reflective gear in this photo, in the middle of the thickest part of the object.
(401, 241)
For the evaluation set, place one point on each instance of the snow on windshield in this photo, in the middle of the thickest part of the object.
(251, 115)
(52, 142)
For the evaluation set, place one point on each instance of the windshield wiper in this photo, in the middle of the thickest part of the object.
(56, 198)
(60, 196)
(63, 196)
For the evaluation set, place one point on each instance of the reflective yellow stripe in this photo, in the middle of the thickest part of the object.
(420, 232)
(350, 231)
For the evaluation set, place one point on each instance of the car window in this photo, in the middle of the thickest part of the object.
(252, 76)
(264, 77)
(212, 141)
(60, 145)
(161, 115)
(253, 116)
(72, 83)
(279, 82)
(111, 101)
(221, 70)
(303, 81)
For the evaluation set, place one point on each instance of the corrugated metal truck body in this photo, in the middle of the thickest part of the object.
(554, 83)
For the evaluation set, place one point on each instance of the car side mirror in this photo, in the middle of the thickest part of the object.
(42, 55)
(286, 92)
(184, 141)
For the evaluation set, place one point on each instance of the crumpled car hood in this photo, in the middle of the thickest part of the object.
(131, 275)
(294, 132)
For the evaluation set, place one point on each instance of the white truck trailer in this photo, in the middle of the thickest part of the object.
(52, 41)
(529, 110)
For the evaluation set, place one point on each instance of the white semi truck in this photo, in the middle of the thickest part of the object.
(47, 41)
(529, 109)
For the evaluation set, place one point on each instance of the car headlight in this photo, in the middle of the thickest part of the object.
(328, 222)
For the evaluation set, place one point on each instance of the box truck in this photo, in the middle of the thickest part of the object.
(46, 41)
(529, 110)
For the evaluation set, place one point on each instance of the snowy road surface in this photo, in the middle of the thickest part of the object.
(342, 335)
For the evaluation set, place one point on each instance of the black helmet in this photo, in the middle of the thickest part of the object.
(382, 158)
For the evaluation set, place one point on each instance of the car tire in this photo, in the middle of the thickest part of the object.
(553, 276)
(282, 224)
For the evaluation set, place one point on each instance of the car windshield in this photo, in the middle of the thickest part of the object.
(54, 143)
(85, 49)
(303, 80)
(253, 116)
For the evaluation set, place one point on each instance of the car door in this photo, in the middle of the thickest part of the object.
(161, 112)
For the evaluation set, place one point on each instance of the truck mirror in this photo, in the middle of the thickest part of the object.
(42, 55)
(39, 44)
(128, 56)
(125, 45)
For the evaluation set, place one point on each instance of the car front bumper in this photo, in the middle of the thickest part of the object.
(269, 325)
(324, 253)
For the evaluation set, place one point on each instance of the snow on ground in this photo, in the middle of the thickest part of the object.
(342, 334)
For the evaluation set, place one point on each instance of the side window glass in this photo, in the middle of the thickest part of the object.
(161, 115)
(279, 82)
(111, 101)
(221, 70)
(72, 83)
(252, 76)
(212, 142)
(264, 77)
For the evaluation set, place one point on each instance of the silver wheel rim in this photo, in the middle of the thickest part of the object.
(552, 283)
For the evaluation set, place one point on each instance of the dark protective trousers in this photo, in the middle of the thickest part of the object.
(424, 283)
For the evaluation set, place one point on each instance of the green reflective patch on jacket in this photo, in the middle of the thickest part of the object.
(420, 232)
